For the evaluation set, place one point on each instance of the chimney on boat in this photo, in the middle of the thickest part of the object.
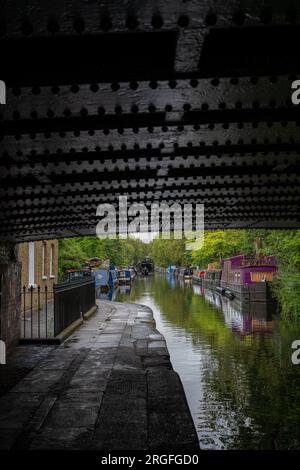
(258, 245)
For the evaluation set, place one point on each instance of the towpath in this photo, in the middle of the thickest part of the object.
(108, 386)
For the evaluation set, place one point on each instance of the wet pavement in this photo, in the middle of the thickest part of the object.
(109, 386)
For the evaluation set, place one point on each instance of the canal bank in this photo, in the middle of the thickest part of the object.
(110, 386)
(235, 365)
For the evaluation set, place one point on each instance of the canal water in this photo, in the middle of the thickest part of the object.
(241, 385)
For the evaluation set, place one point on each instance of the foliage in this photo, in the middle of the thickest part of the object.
(70, 255)
(287, 290)
(167, 252)
(73, 252)
(218, 244)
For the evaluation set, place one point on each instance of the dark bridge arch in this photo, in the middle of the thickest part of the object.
(186, 102)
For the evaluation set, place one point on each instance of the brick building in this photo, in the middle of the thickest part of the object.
(39, 261)
(10, 295)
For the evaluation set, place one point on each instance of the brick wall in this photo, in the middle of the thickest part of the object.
(43, 274)
(10, 308)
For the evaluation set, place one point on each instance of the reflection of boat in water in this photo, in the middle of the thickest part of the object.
(124, 289)
(243, 318)
(107, 295)
(213, 298)
(257, 318)
(171, 280)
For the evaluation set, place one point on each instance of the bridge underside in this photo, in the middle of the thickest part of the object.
(171, 101)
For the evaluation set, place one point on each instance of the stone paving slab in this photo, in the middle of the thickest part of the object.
(109, 386)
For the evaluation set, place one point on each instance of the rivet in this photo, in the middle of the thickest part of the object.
(239, 18)
(26, 28)
(157, 22)
(53, 26)
(105, 23)
(79, 25)
(183, 21)
(132, 22)
(211, 19)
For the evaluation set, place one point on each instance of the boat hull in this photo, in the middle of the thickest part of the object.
(105, 279)
(124, 277)
(255, 292)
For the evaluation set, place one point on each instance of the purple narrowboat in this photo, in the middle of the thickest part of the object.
(249, 277)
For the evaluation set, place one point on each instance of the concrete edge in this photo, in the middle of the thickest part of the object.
(90, 312)
(71, 328)
(61, 337)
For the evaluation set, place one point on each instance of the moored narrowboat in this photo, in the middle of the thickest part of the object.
(249, 277)
(75, 274)
(186, 273)
(198, 275)
(146, 267)
(132, 272)
(124, 275)
(171, 270)
(212, 278)
(106, 278)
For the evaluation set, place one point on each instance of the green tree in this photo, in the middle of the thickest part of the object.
(218, 244)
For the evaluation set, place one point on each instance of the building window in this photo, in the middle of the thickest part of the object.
(44, 261)
(51, 273)
(31, 267)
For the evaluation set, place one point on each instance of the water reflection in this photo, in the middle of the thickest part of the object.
(235, 365)
(243, 319)
(107, 295)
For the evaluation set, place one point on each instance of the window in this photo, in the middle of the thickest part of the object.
(51, 263)
(260, 276)
(31, 268)
(44, 261)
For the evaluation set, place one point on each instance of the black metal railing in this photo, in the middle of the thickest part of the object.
(38, 312)
(71, 301)
(47, 312)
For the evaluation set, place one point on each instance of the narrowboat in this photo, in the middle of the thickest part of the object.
(171, 270)
(105, 278)
(198, 275)
(161, 270)
(212, 278)
(249, 277)
(186, 273)
(132, 272)
(74, 274)
(124, 275)
(147, 266)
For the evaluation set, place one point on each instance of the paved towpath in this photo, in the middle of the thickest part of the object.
(109, 386)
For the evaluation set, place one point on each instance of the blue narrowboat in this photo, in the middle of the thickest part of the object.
(171, 270)
(124, 275)
(105, 278)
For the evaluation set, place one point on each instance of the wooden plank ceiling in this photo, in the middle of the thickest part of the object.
(186, 101)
